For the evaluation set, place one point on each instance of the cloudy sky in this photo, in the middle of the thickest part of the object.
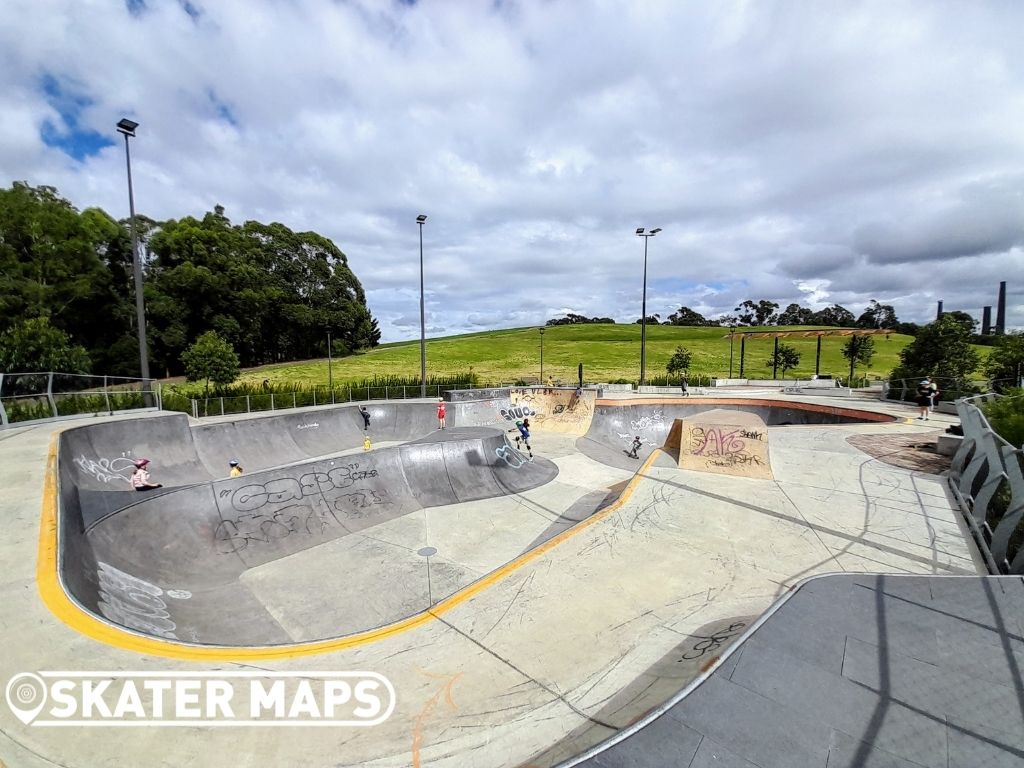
(797, 151)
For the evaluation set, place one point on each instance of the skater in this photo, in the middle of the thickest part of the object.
(924, 397)
(366, 417)
(236, 468)
(366, 443)
(140, 476)
(933, 396)
(523, 436)
(637, 442)
(440, 412)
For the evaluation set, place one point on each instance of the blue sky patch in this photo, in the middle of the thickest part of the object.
(68, 136)
(222, 110)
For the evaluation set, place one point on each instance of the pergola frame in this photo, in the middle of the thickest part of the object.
(819, 333)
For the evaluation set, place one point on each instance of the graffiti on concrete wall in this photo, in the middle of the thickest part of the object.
(134, 603)
(510, 455)
(107, 470)
(725, 446)
(319, 507)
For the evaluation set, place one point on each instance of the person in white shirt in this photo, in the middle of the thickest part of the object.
(140, 477)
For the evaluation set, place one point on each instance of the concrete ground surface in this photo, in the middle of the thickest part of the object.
(550, 653)
(856, 670)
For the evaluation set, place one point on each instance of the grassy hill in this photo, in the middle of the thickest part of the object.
(608, 353)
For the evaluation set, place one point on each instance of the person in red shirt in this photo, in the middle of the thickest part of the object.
(440, 412)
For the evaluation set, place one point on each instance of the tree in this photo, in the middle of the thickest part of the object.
(858, 349)
(941, 349)
(686, 316)
(878, 316)
(794, 314)
(834, 316)
(963, 318)
(651, 320)
(785, 357)
(211, 358)
(67, 267)
(679, 363)
(1005, 364)
(573, 319)
(271, 292)
(762, 313)
(34, 345)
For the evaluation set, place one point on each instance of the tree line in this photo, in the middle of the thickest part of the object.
(67, 297)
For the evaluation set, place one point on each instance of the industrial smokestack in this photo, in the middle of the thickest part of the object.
(986, 321)
(1001, 310)
(938, 313)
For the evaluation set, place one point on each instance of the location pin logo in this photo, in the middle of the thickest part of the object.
(26, 696)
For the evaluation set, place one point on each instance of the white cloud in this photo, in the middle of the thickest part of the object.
(792, 152)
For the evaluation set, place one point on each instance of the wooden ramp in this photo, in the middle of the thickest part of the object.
(723, 442)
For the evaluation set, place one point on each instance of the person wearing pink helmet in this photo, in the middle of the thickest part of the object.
(140, 476)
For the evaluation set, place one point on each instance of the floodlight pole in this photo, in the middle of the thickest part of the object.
(330, 376)
(127, 127)
(643, 306)
(541, 355)
(421, 219)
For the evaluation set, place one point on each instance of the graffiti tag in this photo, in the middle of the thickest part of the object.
(134, 603)
(107, 470)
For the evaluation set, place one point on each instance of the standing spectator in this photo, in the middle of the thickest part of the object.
(140, 476)
(366, 417)
(236, 468)
(924, 397)
(440, 412)
(683, 385)
(933, 395)
(366, 443)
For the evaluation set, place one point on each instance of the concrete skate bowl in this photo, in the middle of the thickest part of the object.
(309, 544)
(616, 422)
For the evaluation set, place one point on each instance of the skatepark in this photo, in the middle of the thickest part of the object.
(527, 612)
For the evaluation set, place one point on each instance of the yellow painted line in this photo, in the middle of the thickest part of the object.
(65, 609)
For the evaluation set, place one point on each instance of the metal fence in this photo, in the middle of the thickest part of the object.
(49, 395)
(987, 478)
(271, 401)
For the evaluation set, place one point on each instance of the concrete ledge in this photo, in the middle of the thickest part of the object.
(947, 445)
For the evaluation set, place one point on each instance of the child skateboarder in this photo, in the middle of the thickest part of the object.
(637, 442)
(440, 413)
(523, 436)
(236, 468)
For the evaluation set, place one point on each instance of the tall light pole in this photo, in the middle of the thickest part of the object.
(127, 127)
(731, 330)
(643, 311)
(421, 219)
(330, 377)
(541, 355)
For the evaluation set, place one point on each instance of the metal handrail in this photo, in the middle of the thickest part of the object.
(984, 470)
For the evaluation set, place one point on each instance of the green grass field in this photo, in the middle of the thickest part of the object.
(608, 353)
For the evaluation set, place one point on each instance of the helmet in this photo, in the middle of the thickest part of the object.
(233, 462)
(141, 462)
(519, 422)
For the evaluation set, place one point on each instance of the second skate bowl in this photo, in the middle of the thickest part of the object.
(191, 561)
(616, 423)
